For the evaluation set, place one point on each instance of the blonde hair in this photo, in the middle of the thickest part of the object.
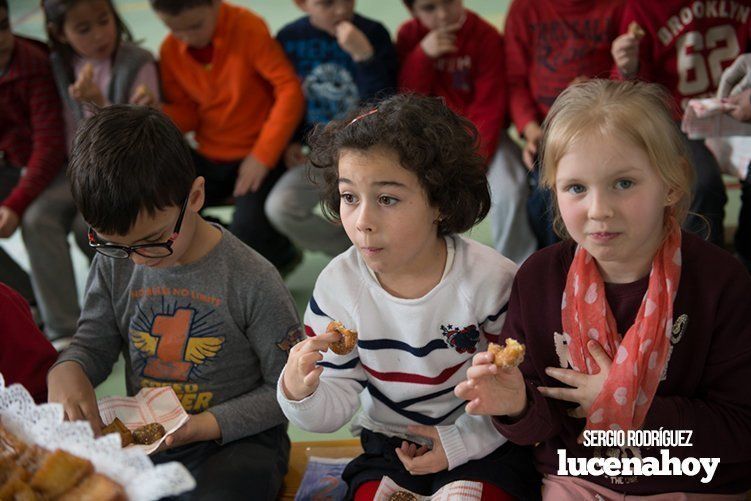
(637, 112)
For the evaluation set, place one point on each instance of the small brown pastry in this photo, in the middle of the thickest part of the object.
(10, 446)
(148, 434)
(402, 496)
(348, 341)
(636, 30)
(507, 356)
(12, 480)
(59, 472)
(96, 487)
(117, 426)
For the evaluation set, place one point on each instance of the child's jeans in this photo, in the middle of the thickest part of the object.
(249, 468)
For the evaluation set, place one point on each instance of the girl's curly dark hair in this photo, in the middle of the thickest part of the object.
(432, 141)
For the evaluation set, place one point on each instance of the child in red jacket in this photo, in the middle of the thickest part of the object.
(548, 46)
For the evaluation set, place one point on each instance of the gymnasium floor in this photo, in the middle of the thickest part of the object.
(27, 19)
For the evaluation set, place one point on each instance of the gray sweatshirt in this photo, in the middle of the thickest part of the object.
(217, 330)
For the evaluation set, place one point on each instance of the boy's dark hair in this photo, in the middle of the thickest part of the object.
(4, 5)
(439, 146)
(54, 18)
(175, 7)
(126, 159)
(409, 3)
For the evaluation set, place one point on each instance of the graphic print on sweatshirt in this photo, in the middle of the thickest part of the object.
(175, 343)
(327, 78)
(565, 49)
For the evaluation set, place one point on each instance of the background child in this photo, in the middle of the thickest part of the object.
(193, 308)
(621, 178)
(405, 179)
(449, 51)
(25, 354)
(686, 53)
(31, 137)
(549, 45)
(94, 61)
(227, 79)
(354, 61)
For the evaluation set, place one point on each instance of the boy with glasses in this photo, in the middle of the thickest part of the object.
(187, 303)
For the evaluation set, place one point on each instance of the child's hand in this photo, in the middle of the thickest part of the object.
(198, 428)
(737, 74)
(586, 388)
(353, 41)
(742, 103)
(144, 97)
(8, 221)
(440, 41)
(250, 176)
(625, 52)
(422, 460)
(68, 384)
(533, 134)
(301, 374)
(294, 156)
(84, 90)
(492, 391)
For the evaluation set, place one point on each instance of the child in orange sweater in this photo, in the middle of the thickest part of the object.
(226, 79)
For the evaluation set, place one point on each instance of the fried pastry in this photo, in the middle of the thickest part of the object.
(59, 472)
(636, 30)
(348, 339)
(10, 446)
(402, 496)
(510, 355)
(31, 473)
(117, 426)
(96, 487)
(148, 434)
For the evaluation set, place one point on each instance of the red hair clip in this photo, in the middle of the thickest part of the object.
(374, 110)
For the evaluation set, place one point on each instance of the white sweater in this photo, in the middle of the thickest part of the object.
(410, 353)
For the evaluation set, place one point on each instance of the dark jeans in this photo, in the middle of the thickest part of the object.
(11, 273)
(540, 211)
(707, 211)
(249, 221)
(510, 467)
(250, 468)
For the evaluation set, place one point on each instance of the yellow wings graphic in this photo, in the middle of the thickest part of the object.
(201, 348)
(144, 341)
(197, 351)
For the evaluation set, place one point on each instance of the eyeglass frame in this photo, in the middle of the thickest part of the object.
(131, 249)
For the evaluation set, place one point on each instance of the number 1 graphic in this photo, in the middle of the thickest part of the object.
(172, 333)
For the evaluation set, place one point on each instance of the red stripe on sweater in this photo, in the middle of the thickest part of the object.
(405, 377)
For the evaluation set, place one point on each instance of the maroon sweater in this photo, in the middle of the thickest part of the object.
(471, 80)
(707, 387)
(25, 354)
(31, 124)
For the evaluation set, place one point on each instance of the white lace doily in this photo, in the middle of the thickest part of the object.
(43, 425)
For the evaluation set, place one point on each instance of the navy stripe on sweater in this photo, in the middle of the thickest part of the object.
(493, 318)
(391, 344)
(414, 416)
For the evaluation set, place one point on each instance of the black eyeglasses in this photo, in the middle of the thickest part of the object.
(162, 249)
